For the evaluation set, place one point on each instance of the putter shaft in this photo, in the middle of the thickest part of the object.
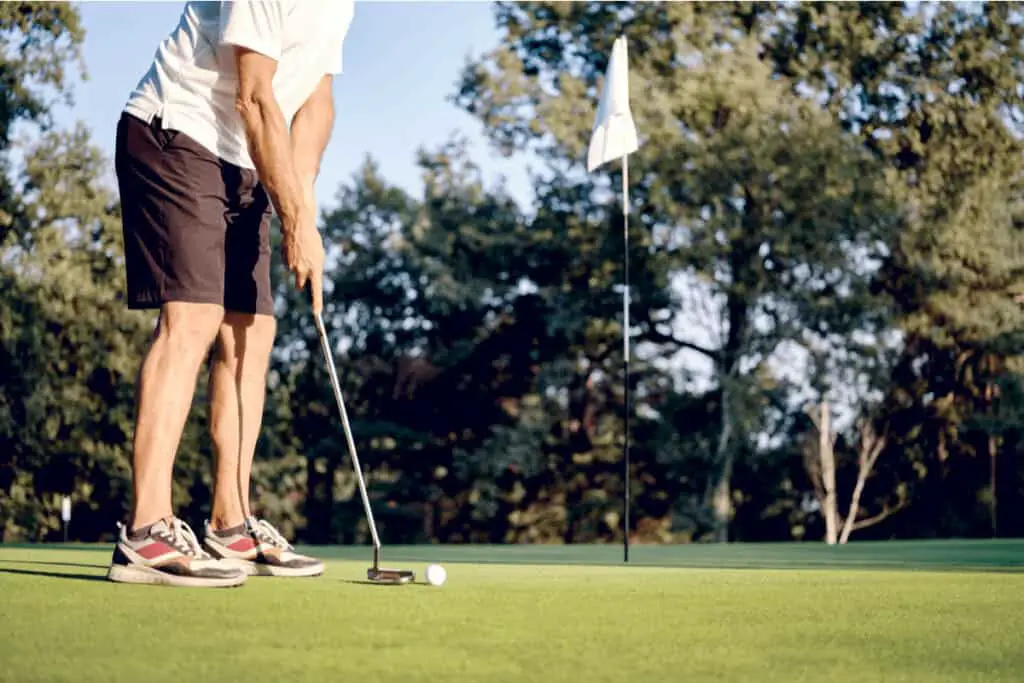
(375, 573)
(332, 371)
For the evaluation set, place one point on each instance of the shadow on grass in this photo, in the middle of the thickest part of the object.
(53, 575)
(1003, 556)
(83, 565)
(364, 582)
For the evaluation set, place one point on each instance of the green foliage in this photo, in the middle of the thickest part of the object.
(38, 40)
(66, 412)
(825, 206)
(743, 186)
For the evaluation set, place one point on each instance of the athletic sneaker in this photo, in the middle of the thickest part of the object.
(168, 553)
(260, 550)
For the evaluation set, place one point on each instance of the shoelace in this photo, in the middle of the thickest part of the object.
(184, 540)
(266, 532)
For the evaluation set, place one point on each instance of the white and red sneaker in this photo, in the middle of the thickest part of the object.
(168, 553)
(258, 549)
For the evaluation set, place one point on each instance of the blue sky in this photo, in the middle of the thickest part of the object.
(401, 63)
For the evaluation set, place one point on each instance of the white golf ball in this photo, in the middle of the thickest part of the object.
(436, 575)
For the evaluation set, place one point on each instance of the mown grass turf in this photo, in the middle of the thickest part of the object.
(866, 612)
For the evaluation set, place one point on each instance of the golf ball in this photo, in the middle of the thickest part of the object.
(436, 575)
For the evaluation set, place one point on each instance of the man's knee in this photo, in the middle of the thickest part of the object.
(189, 328)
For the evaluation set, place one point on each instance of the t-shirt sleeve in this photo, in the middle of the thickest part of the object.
(342, 24)
(254, 24)
(333, 65)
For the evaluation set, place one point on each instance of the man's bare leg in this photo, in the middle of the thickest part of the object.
(156, 547)
(238, 371)
(167, 382)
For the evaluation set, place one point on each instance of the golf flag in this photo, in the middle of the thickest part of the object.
(614, 137)
(614, 134)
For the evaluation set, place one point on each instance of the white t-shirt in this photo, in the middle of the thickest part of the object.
(192, 82)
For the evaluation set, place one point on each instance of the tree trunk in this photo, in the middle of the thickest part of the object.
(721, 500)
(743, 267)
(992, 450)
(851, 515)
(826, 453)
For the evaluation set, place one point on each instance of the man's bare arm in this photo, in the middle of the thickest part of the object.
(267, 134)
(270, 147)
(311, 130)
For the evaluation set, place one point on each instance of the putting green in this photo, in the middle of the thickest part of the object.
(866, 612)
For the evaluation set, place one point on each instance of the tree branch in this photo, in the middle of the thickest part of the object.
(661, 338)
(871, 446)
(876, 451)
(886, 512)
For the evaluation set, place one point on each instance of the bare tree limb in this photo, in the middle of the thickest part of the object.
(871, 446)
(821, 467)
(886, 512)
(812, 411)
(876, 450)
(659, 337)
(826, 452)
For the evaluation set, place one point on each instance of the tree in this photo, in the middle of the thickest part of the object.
(745, 189)
(822, 463)
(65, 419)
(422, 305)
(38, 41)
(952, 141)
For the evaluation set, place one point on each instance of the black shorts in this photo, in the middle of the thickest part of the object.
(196, 228)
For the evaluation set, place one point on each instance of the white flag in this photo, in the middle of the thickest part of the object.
(614, 134)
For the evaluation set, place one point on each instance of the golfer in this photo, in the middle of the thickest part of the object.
(230, 122)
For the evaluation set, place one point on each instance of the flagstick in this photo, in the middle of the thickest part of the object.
(625, 355)
(615, 135)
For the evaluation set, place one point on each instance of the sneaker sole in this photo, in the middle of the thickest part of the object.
(138, 574)
(260, 569)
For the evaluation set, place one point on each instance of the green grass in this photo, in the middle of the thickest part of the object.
(929, 611)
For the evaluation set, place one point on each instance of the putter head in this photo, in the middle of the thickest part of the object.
(391, 576)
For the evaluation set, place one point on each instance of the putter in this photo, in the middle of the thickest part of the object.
(376, 573)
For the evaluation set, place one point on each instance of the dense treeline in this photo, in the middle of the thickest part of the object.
(826, 257)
